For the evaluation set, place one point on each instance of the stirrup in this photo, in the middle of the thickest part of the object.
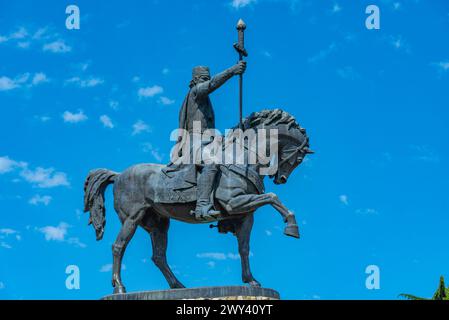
(211, 213)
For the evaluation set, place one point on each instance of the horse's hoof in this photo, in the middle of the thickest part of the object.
(292, 231)
(254, 283)
(178, 285)
(119, 290)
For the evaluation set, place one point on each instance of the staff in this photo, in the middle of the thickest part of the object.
(240, 47)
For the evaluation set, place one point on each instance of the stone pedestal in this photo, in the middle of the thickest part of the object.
(202, 293)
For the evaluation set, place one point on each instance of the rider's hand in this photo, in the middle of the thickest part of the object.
(240, 67)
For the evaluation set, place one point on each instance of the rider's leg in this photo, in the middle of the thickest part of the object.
(204, 205)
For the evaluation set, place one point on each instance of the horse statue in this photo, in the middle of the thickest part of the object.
(140, 198)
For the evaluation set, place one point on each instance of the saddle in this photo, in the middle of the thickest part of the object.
(178, 184)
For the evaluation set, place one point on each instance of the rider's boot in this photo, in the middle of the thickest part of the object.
(204, 206)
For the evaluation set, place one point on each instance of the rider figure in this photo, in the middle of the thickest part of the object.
(198, 107)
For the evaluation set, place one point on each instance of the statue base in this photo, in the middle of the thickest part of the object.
(202, 293)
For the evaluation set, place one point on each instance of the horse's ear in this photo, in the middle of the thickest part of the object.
(308, 151)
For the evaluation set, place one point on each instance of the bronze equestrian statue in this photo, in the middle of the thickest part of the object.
(149, 195)
(145, 196)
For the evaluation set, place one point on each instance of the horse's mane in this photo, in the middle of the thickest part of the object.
(271, 117)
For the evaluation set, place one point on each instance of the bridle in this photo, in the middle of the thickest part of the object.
(296, 151)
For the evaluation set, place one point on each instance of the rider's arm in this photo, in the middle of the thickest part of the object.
(218, 80)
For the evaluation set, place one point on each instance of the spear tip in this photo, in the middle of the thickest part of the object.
(241, 25)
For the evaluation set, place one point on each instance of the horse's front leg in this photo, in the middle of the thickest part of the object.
(291, 229)
(250, 202)
(243, 233)
(118, 248)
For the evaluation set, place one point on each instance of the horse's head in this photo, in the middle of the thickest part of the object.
(292, 141)
(293, 147)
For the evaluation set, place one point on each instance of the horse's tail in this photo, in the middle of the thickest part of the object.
(94, 187)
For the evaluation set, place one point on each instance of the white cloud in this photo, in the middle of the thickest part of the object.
(6, 233)
(336, 8)
(211, 264)
(57, 233)
(442, 66)
(24, 44)
(148, 147)
(5, 245)
(2, 285)
(58, 46)
(106, 121)
(39, 78)
(24, 39)
(237, 4)
(76, 242)
(399, 43)
(323, 53)
(348, 73)
(41, 33)
(7, 83)
(38, 199)
(149, 92)
(108, 267)
(74, 117)
(19, 34)
(40, 177)
(344, 199)
(367, 211)
(43, 118)
(267, 54)
(212, 255)
(114, 104)
(44, 177)
(7, 164)
(166, 101)
(85, 83)
(140, 127)
(218, 255)
(23, 78)
(424, 153)
(84, 66)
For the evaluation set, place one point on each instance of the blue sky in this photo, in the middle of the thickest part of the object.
(374, 102)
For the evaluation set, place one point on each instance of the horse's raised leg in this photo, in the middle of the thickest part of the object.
(243, 234)
(158, 230)
(250, 202)
(118, 248)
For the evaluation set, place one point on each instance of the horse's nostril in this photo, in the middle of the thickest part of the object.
(283, 179)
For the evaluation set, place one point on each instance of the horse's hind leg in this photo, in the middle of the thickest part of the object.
(127, 231)
(243, 233)
(157, 227)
